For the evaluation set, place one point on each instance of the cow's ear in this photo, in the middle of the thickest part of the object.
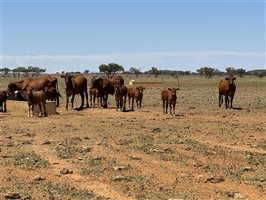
(226, 78)
(234, 78)
(144, 88)
(169, 88)
(137, 88)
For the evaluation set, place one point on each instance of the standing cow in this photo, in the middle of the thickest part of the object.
(105, 86)
(121, 97)
(227, 88)
(76, 84)
(3, 95)
(36, 98)
(135, 93)
(169, 99)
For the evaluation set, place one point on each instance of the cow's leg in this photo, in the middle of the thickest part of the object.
(29, 109)
(105, 99)
(124, 103)
(67, 97)
(140, 102)
(226, 101)
(163, 106)
(86, 95)
(129, 98)
(82, 100)
(4, 107)
(40, 107)
(132, 104)
(174, 108)
(220, 100)
(166, 108)
(72, 101)
(231, 102)
(170, 108)
(44, 107)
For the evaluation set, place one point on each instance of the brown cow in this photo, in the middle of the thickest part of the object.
(94, 94)
(135, 93)
(3, 95)
(36, 98)
(105, 86)
(76, 84)
(37, 84)
(52, 94)
(169, 98)
(227, 88)
(121, 97)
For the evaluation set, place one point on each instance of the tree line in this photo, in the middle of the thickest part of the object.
(113, 68)
(29, 71)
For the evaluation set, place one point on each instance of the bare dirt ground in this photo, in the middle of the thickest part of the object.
(203, 152)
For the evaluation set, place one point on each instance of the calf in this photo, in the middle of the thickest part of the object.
(3, 95)
(52, 94)
(94, 94)
(120, 97)
(36, 98)
(169, 98)
(135, 93)
(227, 88)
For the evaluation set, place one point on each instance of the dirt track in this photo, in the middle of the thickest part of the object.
(204, 152)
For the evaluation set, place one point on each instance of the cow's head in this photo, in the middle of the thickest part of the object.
(68, 80)
(140, 89)
(230, 79)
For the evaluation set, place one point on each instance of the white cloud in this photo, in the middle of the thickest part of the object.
(163, 60)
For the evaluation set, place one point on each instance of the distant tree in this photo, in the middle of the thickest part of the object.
(208, 72)
(5, 71)
(135, 71)
(154, 71)
(218, 72)
(240, 72)
(111, 69)
(230, 71)
(260, 73)
(86, 71)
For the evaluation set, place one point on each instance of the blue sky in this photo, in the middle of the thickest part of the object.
(178, 35)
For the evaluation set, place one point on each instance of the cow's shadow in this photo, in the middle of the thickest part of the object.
(237, 108)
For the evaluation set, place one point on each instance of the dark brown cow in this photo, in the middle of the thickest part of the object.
(36, 98)
(52, 94)
(120, 97)
(76, 84)
(227, 88)
(105, 86)
(36, 84)
(169, 99)
(135, 93)
(94, 94)
(3, 95)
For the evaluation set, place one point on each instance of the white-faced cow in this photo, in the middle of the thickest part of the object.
(135, 93)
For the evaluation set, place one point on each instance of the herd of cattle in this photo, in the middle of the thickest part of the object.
(37, 90)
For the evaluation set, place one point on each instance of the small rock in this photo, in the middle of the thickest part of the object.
(239, 196)
(247, 169)
(39, 178)
(66, 171)
(12, 195)
(86, 149)
(119, 178)
(214, 179)
(156, 130)
(135, 158)
(116, 168)
(46, 142)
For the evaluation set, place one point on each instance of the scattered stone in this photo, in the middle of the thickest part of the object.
(135, 158)
(46, 142)
(12, 195)
(157, 150)
(39, 178)
(119, 178)
(247, 169)
(214, 179)
(86, 149)
(116, 168)
(66, 171)
(156, 130)
(235, 195)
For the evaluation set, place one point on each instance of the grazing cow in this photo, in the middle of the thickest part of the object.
(227, 88)
(169, 98)
(76, 84)
(52, 94)
(3, 95)
(135, 93)
(105, 86)
(36, 98)
(121, 97)
(94, 94)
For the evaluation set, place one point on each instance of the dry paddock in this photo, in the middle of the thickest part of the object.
(203, 152)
